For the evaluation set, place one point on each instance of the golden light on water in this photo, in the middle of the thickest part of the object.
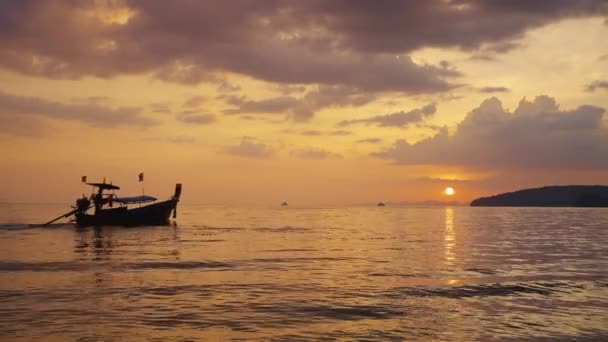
(449, 238)
(449, 191)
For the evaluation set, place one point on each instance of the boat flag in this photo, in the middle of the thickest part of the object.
(141, 176)
(83, 179)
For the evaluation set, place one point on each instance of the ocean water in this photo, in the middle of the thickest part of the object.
(300, 274)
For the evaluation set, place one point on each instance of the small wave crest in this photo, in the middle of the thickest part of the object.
(285, 229)
(85, 266)
(22, 226)
(506, 289)
(181, 265)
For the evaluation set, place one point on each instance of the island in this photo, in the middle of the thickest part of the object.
(549, 196)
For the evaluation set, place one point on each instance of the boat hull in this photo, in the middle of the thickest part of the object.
(153, 214)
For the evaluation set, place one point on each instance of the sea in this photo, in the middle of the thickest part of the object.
(361, 273)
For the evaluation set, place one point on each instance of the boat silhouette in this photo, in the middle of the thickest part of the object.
(109, 209)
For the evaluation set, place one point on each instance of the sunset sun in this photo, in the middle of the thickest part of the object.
(449, 191)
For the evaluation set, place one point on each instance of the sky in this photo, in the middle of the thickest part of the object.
(312, 102)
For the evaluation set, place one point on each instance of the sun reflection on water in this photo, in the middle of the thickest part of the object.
(449, 240)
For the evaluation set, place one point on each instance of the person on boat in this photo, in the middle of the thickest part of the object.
(110, 200)
(98, 201)
(82, 204)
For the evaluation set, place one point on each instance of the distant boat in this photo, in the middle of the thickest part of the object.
(105, 212)
(284, 204)
(380, 204)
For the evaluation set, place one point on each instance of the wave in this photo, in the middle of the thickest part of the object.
(284, 229)
(302, 311)
(22, 226)
(497, 289)
(180, 265)
(59, 266)
(222, 229)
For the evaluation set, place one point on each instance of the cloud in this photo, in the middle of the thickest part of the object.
(314, 132)
(249, 118)
(21, 126)
(175, 139)
(181, 139)
(314, 154)
(398, 26)
(110, 37)
(160, 107)
(299, 109)
(369, 141)
(536, 136)
(591, 87)
(287, 89)
(311, 132)
(193, 117)
(399, 119)
(488, 90)
(194, 101)
(225, 87)
(92, 100)
(275, 105)
(483, 56)
(167, 41)
(340, 133)
(250, 148)
(340, 43)
(92, 114)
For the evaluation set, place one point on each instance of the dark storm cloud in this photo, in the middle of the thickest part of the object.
(353, 43)
(191, 42)
(591, 87)
(489, 90)
(250, 148)
(537, 135)
(91, 114)
(397, 26)
(399, 119)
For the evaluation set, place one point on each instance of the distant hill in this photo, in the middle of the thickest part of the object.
(428, 203)
(549, 196)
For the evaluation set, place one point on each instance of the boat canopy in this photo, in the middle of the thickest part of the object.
(135, 199)
(105, 186)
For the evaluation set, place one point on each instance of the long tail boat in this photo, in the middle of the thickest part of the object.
(109, 209)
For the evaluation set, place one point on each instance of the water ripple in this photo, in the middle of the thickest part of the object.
(444, 274)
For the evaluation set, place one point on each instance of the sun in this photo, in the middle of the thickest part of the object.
(449, 191)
